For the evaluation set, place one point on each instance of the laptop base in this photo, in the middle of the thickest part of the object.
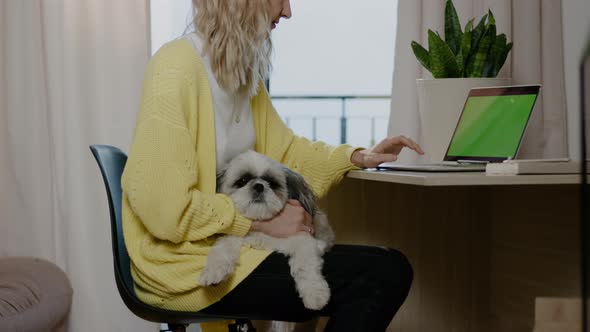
(434, 167)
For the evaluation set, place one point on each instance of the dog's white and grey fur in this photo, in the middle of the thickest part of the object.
(260, 188)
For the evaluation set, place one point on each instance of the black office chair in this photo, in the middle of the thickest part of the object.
(111, 161)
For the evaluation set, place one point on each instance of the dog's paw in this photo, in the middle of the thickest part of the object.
(211, 276)
(322, 246)
(315, 294)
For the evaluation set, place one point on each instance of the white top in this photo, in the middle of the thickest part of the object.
(234, 127)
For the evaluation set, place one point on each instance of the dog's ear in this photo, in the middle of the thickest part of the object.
(298, 189)
(219, 180)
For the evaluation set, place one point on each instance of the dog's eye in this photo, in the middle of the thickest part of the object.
(274, 185)
(243, 181)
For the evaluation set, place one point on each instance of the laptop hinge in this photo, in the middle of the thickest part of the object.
(478, 162)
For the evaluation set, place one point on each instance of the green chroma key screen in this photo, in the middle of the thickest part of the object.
(492, 126)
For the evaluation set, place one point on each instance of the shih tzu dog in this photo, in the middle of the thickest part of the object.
(260, 188)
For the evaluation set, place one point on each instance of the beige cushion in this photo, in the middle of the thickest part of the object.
(35, 295)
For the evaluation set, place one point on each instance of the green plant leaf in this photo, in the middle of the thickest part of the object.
(475, 52)
(490, 63)
(465, 49)
(488, 67)
(491, 18)
(479, 61)
(469, 25)
(478, 32)
(476, 35)
(442, 60)
(497, 52)
(453, 33)
(422, 55)
(502, 58)
(459, 60)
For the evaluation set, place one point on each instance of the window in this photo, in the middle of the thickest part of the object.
(332, 67)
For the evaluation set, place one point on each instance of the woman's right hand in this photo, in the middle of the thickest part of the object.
(292, 220)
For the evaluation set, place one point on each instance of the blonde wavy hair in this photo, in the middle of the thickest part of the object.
(236, 36)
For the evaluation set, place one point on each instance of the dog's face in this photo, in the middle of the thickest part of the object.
(256, 184)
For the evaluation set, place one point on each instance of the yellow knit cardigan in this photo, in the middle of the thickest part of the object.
(171, 213)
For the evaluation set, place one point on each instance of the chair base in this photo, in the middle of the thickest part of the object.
(241, 325)
(172, 328)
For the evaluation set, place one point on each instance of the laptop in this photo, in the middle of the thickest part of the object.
(490, 130)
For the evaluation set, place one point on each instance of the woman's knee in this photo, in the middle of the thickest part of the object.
(397, 270)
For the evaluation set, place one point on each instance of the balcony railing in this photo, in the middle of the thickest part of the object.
(344, 117)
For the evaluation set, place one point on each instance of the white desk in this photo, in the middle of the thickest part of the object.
(482, 247)
(462, 179)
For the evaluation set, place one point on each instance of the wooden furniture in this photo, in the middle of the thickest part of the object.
(483, 247)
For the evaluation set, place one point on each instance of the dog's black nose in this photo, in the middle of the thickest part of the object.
(258, 187)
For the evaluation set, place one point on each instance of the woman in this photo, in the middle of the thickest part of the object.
(202, 104)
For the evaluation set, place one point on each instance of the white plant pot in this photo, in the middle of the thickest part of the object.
(440, 102)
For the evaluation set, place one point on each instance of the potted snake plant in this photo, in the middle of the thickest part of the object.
(464, 59)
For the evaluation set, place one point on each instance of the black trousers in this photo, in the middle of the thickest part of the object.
(368, 285)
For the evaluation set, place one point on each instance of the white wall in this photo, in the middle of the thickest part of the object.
(169, 20)
(576, 27)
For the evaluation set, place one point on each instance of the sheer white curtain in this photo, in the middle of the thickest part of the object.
(535, 27)
(70, 76)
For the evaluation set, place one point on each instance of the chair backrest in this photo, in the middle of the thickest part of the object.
(111, 162)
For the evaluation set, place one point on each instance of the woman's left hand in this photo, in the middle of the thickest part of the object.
(386, 151)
